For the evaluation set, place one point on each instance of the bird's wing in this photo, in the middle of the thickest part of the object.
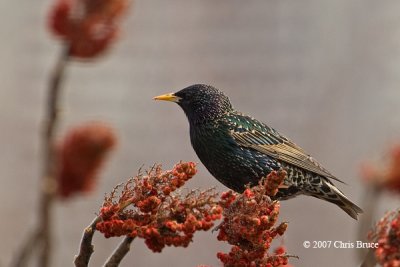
(248, 132)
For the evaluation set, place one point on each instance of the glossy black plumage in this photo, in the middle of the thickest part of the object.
(238, 150)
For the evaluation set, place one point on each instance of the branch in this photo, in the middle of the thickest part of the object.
(86, 248)
(370, 195)
(369, 260)
(119, 253)
(27, 249)
(40, 238)
(49, 165)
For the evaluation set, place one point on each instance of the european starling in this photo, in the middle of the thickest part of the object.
(239, 150)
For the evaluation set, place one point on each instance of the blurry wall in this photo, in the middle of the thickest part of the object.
(326, 74)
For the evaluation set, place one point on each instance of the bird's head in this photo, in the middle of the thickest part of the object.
(200, 102)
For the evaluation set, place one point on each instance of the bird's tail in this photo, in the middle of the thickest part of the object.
(331, 194)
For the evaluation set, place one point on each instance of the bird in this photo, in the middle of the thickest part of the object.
(239, 150)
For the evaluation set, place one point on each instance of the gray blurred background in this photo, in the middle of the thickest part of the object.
(324, 73)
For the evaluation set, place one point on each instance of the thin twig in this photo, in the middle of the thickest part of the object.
(369, 260)
(86, 248)
(27, 249)
(119, 253)
(41, 236)
(370, 196)
(50, 161)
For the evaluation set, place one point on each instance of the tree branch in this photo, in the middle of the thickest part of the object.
(86, 248)
(48, 188)
(369, 259)
(40, 238)
(119, 253)
(370, 195)
(27, 249)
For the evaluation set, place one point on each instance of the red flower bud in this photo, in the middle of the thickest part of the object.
(81, 154)
(88, 26)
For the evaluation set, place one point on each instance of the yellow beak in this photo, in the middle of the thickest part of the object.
(168, 97)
